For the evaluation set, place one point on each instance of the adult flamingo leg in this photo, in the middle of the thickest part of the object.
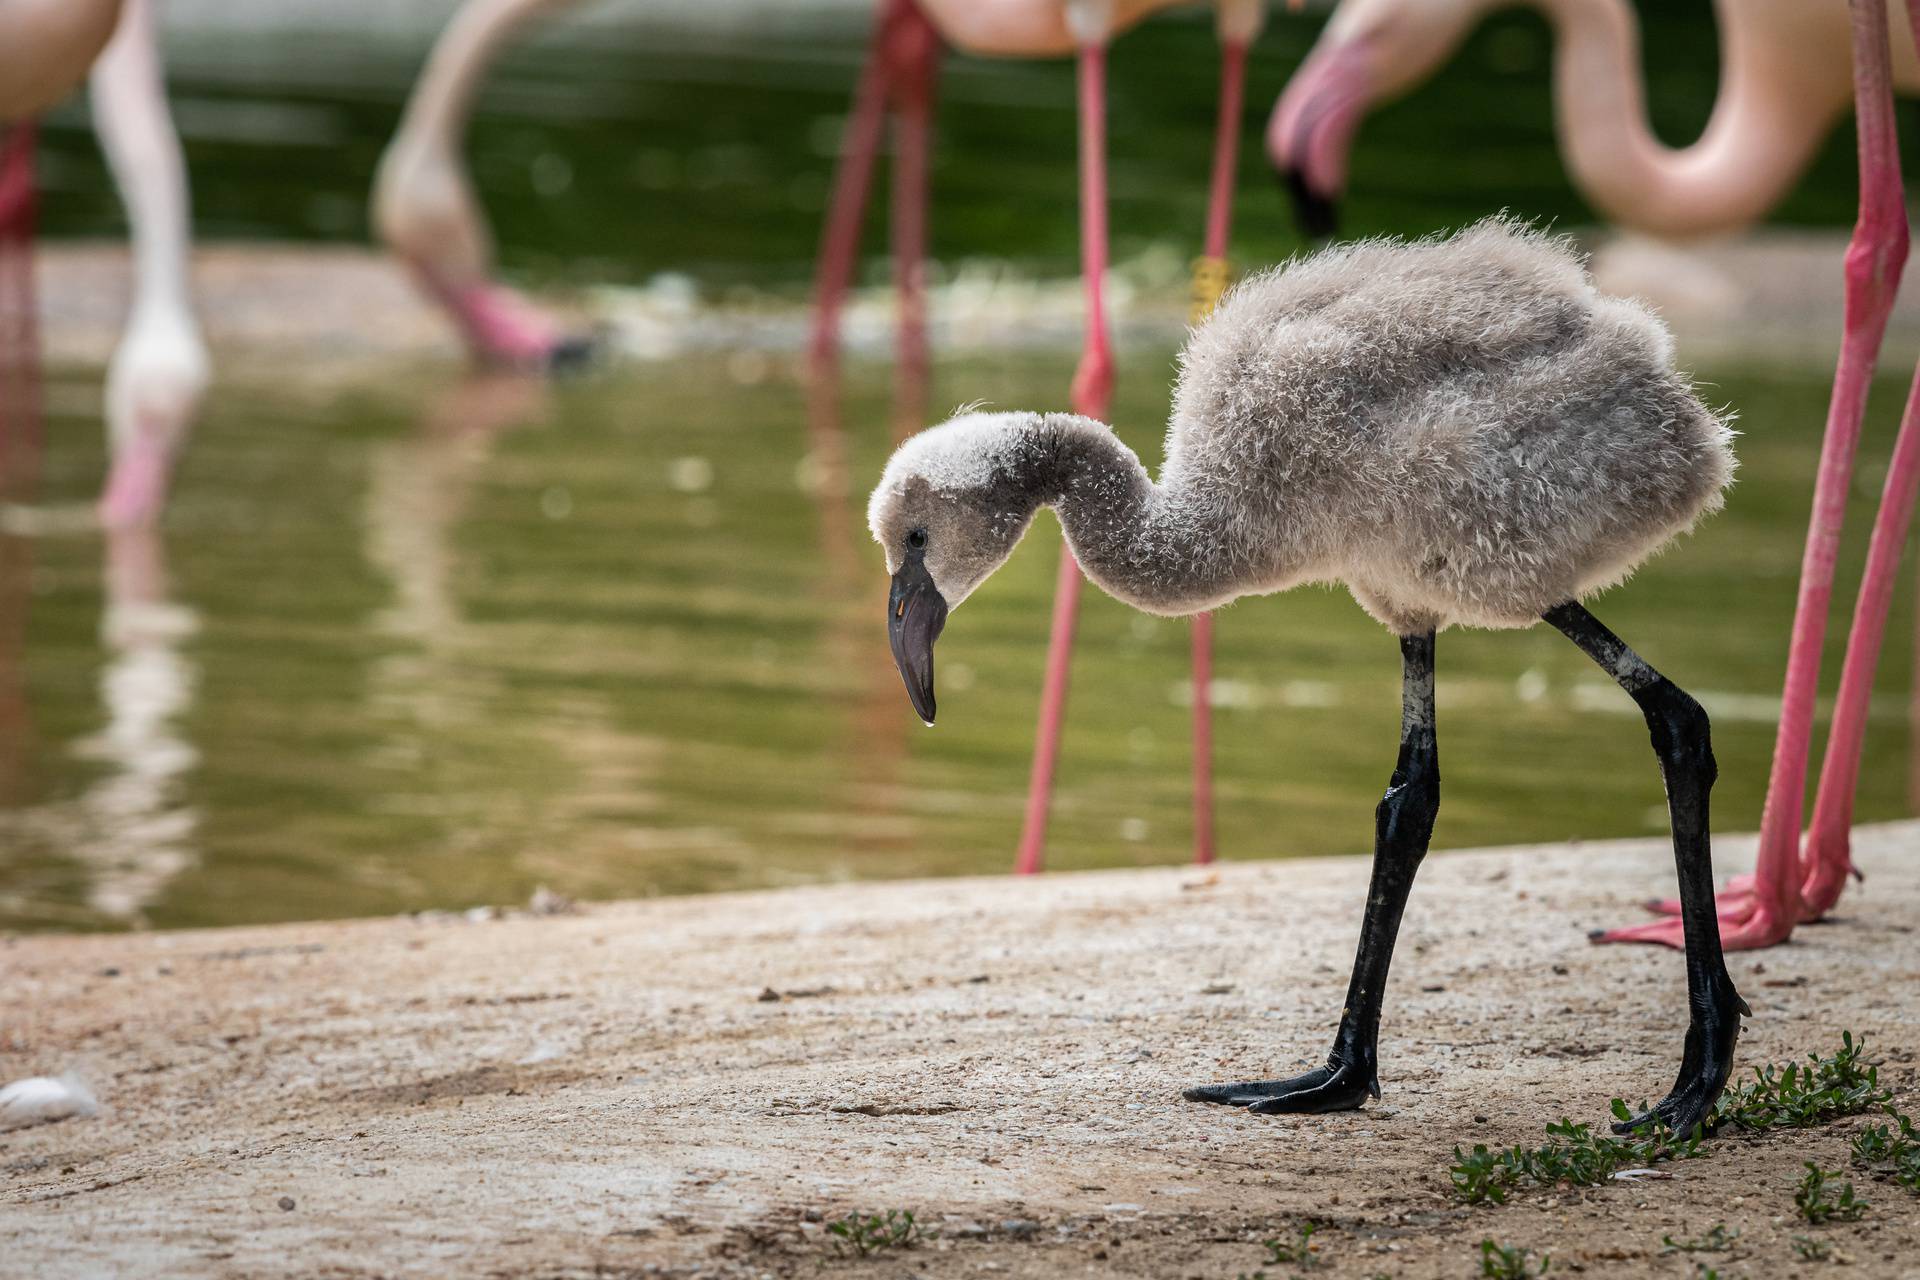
(1827, 858)
(852, 181)
(19, 337)
(913, 53)
(1092, 396)
(1762, 911)
(1210, 280)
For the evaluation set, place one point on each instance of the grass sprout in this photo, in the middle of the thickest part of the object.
(1819, 1202)
(1504, 1262)
(874, 1232)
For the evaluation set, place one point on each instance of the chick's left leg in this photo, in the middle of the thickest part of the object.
(1402, 826)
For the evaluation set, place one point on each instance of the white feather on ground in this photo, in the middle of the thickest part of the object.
(43, 1099)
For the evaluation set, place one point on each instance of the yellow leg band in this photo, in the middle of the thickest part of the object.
(1209, 282)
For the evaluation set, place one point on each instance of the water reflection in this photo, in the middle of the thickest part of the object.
(128, 828)
(135, 832)
(417, 488)
(871, 742)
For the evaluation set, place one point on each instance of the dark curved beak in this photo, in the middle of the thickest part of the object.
(915, 615)
(1317, 216)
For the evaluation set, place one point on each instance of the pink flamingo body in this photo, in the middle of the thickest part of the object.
(159, 369)
(1789, 70)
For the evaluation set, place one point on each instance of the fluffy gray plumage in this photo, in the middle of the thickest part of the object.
(1461, 430)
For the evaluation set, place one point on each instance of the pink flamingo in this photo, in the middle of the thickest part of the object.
(424, 207)
(900, 73)
(1786, 68)
(159, 371)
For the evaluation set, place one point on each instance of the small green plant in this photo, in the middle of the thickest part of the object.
(1577, 1157)
(1502, 1262)
(1717, 1240)
(1808, 1249)
(1820, 1203)
(871, 1233)
(1891, 1151)
(1796, 1096)
(1296, 1253)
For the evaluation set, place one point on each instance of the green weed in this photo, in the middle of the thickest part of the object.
(1500, 1262)
(1797, 1096)
(1299, 1253)
(895, 1229)
(1891, 1151)
(1819, 1203)
(1780, 1096)
(1577, 1157)
(1717, 1240)
(1808, 1249)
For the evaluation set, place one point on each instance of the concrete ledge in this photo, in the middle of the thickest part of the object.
(692, 1084)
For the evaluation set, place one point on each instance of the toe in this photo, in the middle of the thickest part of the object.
(1625, 1127)
(1665, 933)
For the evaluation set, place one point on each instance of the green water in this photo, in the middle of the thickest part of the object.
(431, 644)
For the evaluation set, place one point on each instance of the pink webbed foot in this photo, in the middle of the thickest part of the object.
(1762, 926)
(1735, 902)
(1831, 862)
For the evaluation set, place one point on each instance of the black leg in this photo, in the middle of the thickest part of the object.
(1402, 826)
(1683, 742)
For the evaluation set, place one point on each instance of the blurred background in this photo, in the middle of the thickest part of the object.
(413, 637)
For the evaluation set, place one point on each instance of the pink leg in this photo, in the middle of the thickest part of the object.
(852, 178)
(19, 318)
(1092, 394)
(1827, 858)
(914, 54)
(1226, 154)
(1913, 723)
(1764, 912)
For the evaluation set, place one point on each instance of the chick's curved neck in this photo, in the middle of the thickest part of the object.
(1150, 545)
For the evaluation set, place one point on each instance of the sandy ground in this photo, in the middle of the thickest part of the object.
(694, 1086)
(1772, 296)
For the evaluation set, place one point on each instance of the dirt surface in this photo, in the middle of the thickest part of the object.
(700, 1085)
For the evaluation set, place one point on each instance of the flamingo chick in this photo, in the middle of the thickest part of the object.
(1462, 431)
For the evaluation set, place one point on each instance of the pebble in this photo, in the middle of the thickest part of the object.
(286, 1202)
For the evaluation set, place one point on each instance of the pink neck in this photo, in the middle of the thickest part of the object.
(1773, 109)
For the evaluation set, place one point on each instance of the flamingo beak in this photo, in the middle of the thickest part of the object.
(916, 613)
(1311, 132)
(1317, 216)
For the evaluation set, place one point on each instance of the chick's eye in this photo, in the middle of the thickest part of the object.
(917, 539)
